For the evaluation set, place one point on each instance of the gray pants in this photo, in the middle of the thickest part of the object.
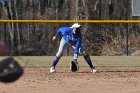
(64, 44)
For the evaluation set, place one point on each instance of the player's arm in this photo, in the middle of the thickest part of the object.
(74, 63)
(76, 51)
(56, 35)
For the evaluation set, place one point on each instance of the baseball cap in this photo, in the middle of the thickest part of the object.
(75, 25)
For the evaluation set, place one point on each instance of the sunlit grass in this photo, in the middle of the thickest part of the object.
(45, 61)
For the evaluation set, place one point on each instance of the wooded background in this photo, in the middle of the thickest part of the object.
(35, 39)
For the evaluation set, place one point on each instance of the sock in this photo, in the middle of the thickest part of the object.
(55, 61)
(88, 60)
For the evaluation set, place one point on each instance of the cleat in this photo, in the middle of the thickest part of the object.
(93, 70)
(52, 70)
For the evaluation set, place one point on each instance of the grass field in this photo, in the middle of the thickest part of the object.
(45, 61)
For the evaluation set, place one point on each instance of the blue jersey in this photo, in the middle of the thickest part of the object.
(70, 37)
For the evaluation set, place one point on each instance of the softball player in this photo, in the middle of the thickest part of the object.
(71, 36)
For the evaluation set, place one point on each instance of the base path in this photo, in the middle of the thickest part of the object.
(108, 80)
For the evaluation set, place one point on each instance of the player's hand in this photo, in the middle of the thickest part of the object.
(54, 38)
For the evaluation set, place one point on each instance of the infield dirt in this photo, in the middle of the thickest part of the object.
(107, 80)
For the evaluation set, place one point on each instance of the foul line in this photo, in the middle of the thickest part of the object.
(70, 21)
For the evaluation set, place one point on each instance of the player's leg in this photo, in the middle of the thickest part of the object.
(56, 59)
(87, 58)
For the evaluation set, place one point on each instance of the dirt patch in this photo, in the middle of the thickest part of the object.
(108, 80)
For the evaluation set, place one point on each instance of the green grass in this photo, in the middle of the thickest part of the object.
(45, 61)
